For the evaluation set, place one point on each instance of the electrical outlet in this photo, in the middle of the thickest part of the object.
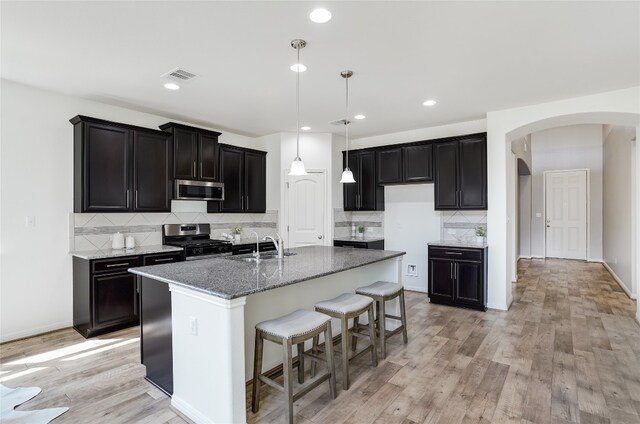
(30, 222)
(412, 270)
(193, 324)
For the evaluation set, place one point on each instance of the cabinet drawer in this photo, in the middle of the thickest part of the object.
(114, 264)
(162, 258)
(242, 250)
(455, 253)
(356, 244)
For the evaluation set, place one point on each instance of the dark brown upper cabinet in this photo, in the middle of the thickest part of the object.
(195, 152)
(417, 163)
(389, 165)
(243, 172)
(405, 164)
(461, 174)
(365, 194)
(120, 168)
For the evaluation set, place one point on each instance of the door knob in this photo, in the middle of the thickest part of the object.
(319, 237)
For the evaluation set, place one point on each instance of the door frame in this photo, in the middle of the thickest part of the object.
(544, 207)
(328, 217)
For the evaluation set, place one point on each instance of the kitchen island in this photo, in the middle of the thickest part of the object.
(215, 304)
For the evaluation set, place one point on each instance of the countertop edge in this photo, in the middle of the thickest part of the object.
(119, 253)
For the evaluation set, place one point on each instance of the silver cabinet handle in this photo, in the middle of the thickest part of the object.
(453, 253)
(247, 207)
(127, 199)
(120, 264)
(163, 260)
(194, 169)
(451, 270)
(136, 199)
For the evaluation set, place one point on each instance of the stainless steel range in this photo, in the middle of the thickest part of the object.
(194, 238)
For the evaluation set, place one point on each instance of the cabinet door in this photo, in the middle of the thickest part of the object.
(389, 164)
(468, 282)
(115, 300)
(208, 160)
(473, 174)
(418, 163)
(232, 175)
(367, 183)
(185, 152)
(441, 279)
(151, 172)
(350, 190)
(255, 189)
(106, 168)
(446, 175)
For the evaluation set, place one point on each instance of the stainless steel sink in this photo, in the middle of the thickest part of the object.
(275, 255)
(263, 257)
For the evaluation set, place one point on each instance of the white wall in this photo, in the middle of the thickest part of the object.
(615, 107)
(36, 153)
(563, 148)
(411, 222)
(619, 203)
(524, 193)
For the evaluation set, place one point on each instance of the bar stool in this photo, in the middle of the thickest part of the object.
(293, 329)
(345, 307)
(381, 292)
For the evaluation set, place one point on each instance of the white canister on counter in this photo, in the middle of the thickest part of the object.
(353, 230)
(118, 241)
(130, 242)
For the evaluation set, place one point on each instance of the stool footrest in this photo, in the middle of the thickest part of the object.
(397, 318)
(310, 385)
(271, 382)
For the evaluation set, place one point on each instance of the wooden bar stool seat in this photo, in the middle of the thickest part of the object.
(381, 292)
(345, 307)
(288, 330)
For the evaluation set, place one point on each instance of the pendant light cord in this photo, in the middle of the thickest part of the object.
(298, 105)
(346, 119)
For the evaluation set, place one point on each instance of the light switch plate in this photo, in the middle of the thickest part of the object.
(30, 222)
(193, 323)
(412, 270)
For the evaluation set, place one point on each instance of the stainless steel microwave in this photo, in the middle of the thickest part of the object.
(198, 190)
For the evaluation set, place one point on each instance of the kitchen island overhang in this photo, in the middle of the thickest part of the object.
(226, 297)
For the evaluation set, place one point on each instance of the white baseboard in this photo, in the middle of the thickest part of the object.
(188, 411)
(498, 307)
(618, 280)
(537, 257)
(416, 289)
(524, 257)
(34, 331)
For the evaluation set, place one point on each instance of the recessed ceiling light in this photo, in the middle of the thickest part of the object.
(429, 103)
(305, 128)
(320, 16)
(359, 117)
(172, 86)
(298, 67)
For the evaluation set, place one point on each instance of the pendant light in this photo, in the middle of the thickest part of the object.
(297, 166)
(347, 175)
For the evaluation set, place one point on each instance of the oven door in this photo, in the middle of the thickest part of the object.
(198, 190)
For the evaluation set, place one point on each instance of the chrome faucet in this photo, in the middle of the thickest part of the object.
(256, 255)
(278, 244)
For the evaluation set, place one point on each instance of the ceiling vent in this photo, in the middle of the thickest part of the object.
(180, 75)
(340, 122)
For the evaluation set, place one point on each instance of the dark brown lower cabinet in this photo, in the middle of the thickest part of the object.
(458, 276)
(356, 244)
(106, 295)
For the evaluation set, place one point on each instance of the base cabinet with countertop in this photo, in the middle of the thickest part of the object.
(105, 294)
(458, 276)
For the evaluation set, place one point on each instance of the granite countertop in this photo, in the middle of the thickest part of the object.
(455, 243)
(114, 253)
(366, 239)
(230, 278)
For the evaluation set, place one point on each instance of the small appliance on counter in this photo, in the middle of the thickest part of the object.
(130, 242)
(117, 242)
(196, 241)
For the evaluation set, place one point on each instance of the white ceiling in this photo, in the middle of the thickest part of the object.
(473, 57)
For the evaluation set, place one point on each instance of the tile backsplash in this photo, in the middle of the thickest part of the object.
(461, 225)
(373, 222)
(90, 231)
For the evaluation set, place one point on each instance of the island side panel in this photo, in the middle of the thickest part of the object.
(208, 356)
(281, 301)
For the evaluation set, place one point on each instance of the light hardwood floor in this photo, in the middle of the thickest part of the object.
(568, 350)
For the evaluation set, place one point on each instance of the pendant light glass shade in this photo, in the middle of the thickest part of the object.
(297, 166)
(347, 175)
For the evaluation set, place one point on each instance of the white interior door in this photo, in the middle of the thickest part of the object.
(306, 209)
(566, 214)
